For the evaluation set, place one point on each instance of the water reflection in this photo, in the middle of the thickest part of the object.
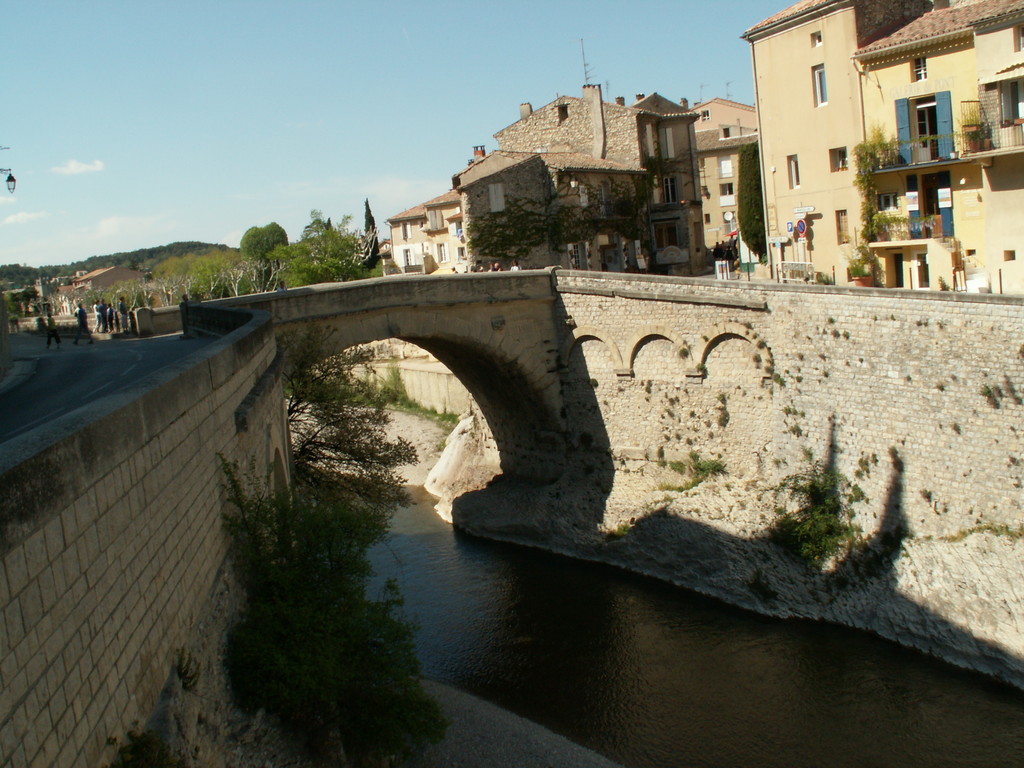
(653, 676)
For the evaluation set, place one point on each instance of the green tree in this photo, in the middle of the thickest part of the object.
(311, 647)
(326, 253)
(260, 249)
(338, 424)
(371, 244)
(750, 201)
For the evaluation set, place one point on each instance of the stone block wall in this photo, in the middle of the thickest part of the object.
(761, 374)
(111, 538)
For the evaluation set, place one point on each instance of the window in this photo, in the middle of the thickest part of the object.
(820, 89)
(442, 253)
(406, 230)
(793, 166)
(887, 201)
(842, 227)
(1009, 255)
(434, 219)
(496, 193)
(1018, 39)
(667, 145)
(666, 234)
(838, 159)
(815, 39)
(919, 69)
(725, 168)
(1012, 95)
(726, 132)
(563, 112)
(705, 115)
(707, 218)
(727, 194)
(407, 256)
(461, 253)
(668, 186)
(584, 197)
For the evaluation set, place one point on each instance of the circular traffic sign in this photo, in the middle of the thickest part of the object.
(801, 227)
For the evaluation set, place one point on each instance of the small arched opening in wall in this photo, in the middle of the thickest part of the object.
(660, 353)
(592, 364)
(736, 369)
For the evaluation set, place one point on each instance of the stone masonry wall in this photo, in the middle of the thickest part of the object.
(111, 541)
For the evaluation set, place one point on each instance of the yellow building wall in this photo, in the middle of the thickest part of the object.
(884, 82)
(792, 124)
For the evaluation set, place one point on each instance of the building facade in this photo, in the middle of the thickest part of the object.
(722, 128)
(592, 185)
(428, 238)
(810, 117)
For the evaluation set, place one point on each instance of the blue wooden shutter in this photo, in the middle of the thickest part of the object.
(903, 129)
(944, 118)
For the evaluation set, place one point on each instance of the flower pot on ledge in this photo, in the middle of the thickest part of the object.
(864, 281)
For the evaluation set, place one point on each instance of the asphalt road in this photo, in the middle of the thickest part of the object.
(47, 383)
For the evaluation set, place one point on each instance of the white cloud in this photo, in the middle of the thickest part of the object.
(24, 216)
(74, 167)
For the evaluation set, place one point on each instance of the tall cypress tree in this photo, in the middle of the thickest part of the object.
(750, 205)
(372, 253)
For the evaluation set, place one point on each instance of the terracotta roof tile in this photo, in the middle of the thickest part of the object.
(709, 141)
(794, 10)
(420, 211)
(943, 22)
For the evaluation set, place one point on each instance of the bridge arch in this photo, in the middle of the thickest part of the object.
(499, 341)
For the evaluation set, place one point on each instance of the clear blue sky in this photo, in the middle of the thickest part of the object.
(135, 124)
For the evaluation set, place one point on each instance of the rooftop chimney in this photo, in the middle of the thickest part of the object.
(940, 5)
(479, 152)
(685, 104)
(620, 100)
(641, 96)
(525, 110)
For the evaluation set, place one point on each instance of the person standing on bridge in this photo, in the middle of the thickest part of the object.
(83, 323)
(51, 329)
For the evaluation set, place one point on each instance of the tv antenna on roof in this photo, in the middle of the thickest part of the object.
(700, 97)
(586, 67)
(727, 94)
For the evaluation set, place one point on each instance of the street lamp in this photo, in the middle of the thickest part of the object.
(11, 181)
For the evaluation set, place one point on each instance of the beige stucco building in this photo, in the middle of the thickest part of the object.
(592, 185)
(428, 238)
(999, 50)
(809, 107)
(722, 128)
(920, 88)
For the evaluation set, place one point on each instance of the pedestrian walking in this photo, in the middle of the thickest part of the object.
(122, 309)
(83, 323)
(51, 330)
(111, 315)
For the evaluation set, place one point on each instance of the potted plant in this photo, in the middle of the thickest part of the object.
(862, 267)
(974, 133)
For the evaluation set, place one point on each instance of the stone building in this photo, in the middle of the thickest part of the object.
(428, 238)
(592, 185)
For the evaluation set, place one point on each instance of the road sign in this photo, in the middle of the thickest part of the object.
(801, 226)
(778, 240)
(789, 227)
(804, 209)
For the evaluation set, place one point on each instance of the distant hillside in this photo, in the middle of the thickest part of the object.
(17, 276)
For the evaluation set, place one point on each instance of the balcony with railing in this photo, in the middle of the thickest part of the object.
(982, 138)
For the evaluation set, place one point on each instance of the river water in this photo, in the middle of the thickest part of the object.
(653, 676)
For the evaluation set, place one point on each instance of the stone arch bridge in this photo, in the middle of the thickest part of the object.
(514, 340)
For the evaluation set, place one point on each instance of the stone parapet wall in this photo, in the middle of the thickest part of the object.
(111, 540)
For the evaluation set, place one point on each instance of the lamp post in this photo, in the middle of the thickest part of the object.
(11, 181)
